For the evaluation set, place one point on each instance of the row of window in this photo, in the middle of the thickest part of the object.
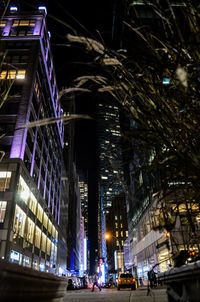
(12, 74)
(123, 234)
(29, 199)
(24, 227)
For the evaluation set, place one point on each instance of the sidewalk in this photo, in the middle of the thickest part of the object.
(155, 295)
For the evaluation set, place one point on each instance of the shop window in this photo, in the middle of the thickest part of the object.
(30, 230)
(43, 242)
(23, 190)
(19, 222)
(39, 213)
(37, 237)
(45, 220)
(48, 251)
(32, 203)
(3, 205)
(4, 180)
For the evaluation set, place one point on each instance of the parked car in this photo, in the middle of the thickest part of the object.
(126, 280)
(70, 284)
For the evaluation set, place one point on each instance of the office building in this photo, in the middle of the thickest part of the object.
(30, 171)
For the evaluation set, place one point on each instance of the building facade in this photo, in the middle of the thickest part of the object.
(30, 172)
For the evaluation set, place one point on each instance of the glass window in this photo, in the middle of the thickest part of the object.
(121, 225)
(48, 246)
(2, 210)
(32, 203)
(126, 233)
(50, 226)
(11, 74)
(4, 180)
(2, 23)
(116, 224)
(19, 222)
(21, 74)
(117, 242)
(39, 212)
(43, 242)
(122, 234)
(117, 234)
(24, 23)
(37, 237)
(53, 231)
(115, 217)
(3, 75)
(45, 220)
(23, 190)
(30, 230)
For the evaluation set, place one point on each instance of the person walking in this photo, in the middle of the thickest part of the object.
(96, 283)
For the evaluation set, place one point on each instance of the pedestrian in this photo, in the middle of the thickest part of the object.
(151, 277)
(141, 281)
(95, 282)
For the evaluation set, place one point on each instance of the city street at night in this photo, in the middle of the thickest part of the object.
(113, 295)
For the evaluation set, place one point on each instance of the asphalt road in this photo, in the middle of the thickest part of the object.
(112, 295)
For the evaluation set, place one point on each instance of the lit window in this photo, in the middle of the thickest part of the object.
(121, 225)
(19, 222)
(126, 233)
(2, 210)
(45, 220)
(122, 243)
(23, 190)
(43, 242)
(50, 226)
(21, 74)
(117, 242)
(24, 23)
(3, 75)
(32, 203)
(39, 212)
(115, 217)
(11, 74)
(37, 90)
(116, 224)
(48, 251)
(37, 237)
(30, 230)
(117, 234)
(4, 181)
(2, 23)
(122, 234)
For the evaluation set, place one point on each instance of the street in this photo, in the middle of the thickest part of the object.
(112, 295)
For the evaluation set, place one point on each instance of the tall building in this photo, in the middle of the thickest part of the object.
(83, 185)
(30, 172)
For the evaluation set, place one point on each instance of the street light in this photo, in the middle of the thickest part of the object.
(107, 237)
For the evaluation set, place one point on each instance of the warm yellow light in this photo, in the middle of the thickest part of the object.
(107, 236)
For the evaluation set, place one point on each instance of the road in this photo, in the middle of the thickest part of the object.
(112, 295)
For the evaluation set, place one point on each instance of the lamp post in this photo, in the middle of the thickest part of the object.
(107, 237)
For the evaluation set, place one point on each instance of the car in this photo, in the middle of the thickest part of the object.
(126, 280)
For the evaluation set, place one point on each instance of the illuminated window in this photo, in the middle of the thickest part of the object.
(21, 74)
(45, 220)
(2, 210)
(116, 224)
(43, 242)
(30, 230)
(37, 237)
(3, 75)
(50, 226)
(122, 243)
(11, 74)
(4, 181)
(115, 217)
(32, 203)
(126, 233)
(48, 246)
(2, 23)
(117, 242)
(37, 90)
(39, 212)
(122, 234)
(121, 225)
(23, 190)
(19, 222)
(24, 23)
(117, 234)
(53, 231)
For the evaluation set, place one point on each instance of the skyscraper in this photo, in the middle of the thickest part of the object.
(30, 172)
